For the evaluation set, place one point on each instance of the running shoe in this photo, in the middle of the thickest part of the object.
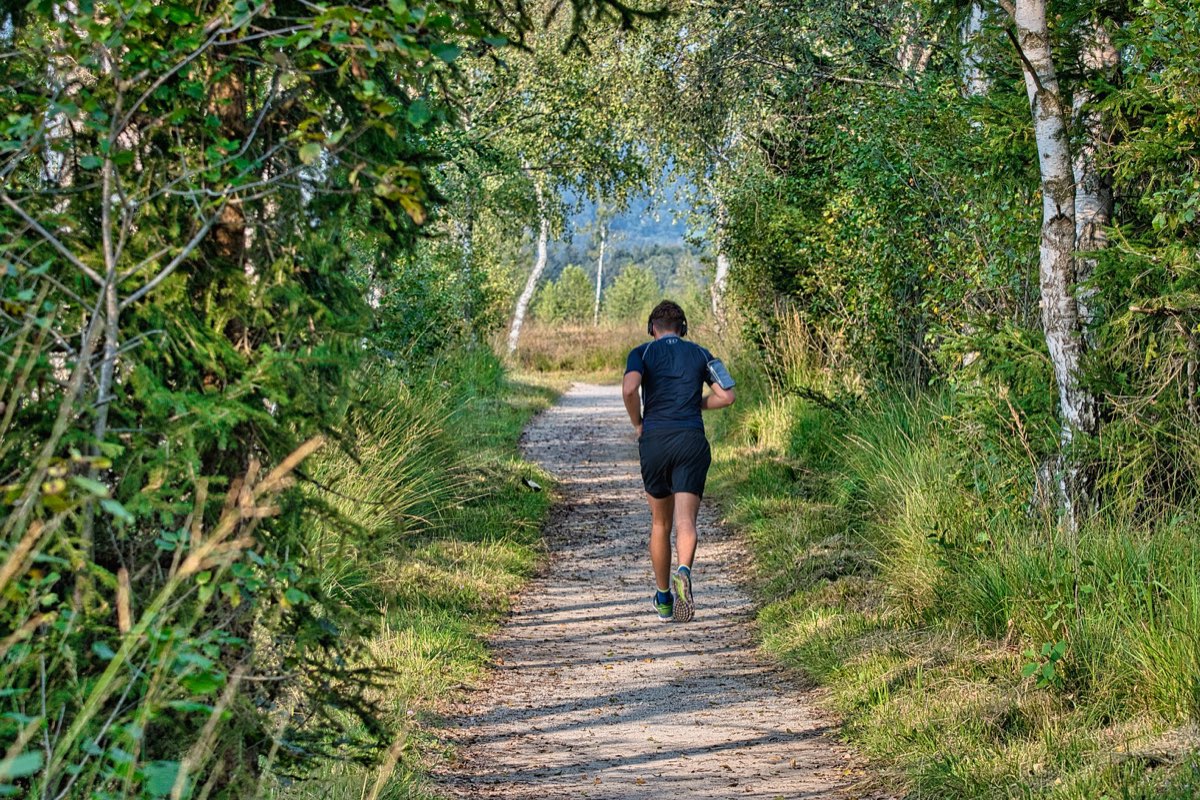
(665, 608)
(685, 604)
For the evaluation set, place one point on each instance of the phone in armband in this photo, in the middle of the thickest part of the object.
(720, 375)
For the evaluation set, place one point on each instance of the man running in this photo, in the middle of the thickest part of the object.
(675, 456)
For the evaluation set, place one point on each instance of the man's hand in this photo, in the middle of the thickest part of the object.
(638, 429)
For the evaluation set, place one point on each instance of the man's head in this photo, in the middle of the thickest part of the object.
(667, 317)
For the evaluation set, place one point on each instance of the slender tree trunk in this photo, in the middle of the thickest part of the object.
(466, 242)
(912, 53)
(975, 84)
(975, 81)
(599, 274)
(721, 278)
(228, 104)
(1093, 186)
(1056, 264)
(539, 266)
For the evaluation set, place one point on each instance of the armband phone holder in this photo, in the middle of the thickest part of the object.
(720, 375)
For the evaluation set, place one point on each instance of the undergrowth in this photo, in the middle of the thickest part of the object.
(972, 647)
(433, 543)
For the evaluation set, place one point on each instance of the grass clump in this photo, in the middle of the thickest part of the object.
(973, 647)
(434, 543)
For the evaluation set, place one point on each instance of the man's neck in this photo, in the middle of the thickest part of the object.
(664, 334)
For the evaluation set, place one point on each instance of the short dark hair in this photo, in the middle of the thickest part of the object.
(668, 316)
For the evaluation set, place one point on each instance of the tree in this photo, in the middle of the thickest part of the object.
(1062, 321)
(632, 296)
(207, 213)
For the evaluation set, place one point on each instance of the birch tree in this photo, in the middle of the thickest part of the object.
(539, 267)
(1061, 319)
(603, 225)
(1099, 60)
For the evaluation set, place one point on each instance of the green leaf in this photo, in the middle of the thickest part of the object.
(446, 52)
(419, 113)
(160, 777)
(295, 596)
(310, 152)
(117, 510)
(91, 162)
(201, 682)
(1028, 670)
(89, 485)
(21, 765)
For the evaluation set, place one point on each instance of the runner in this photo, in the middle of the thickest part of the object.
(675, 456)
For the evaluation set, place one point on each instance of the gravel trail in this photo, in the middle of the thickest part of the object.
(593, 697)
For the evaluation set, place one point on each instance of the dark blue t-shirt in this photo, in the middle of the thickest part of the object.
(674, 372)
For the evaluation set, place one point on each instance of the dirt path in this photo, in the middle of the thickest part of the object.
(593, 696)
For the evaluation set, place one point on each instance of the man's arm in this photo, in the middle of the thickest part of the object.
(720, 398)
(633, 402)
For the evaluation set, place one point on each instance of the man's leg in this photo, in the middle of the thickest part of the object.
(687, 507)
(662, 511)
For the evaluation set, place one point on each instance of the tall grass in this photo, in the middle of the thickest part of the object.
(395, 475)
(434, 541)
(972, 646)
(596, 351)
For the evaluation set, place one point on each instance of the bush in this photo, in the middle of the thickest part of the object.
(632, 295)
(904, 568)
(569, 299)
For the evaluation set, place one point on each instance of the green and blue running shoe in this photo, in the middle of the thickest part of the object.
(685, 604)
(664, 604)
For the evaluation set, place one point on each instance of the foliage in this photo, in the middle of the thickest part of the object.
(435, 532)
(632, 295)
(898, 568)
(568, 299)
(214, 252)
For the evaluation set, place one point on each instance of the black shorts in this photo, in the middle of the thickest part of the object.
(674, 461)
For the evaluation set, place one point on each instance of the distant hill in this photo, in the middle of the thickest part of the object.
(649, 232)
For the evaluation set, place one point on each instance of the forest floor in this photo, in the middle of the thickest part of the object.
(592, 696)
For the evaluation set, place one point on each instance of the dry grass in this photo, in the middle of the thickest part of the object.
(589, 350)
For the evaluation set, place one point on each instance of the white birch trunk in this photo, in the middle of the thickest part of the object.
(912, 54)
(60, 74)
(599, 275)
(721, 278)
(720, 282)
(1093, 187)
(539, 266)
(975, 82)
(1056, 264)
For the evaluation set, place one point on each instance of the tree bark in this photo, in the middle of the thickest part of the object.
(1093, 186)
(975, 82)
(1056, 263)
(539, 266)
(721, 278)
(599, 274)
(466, 240)
(228, 104)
